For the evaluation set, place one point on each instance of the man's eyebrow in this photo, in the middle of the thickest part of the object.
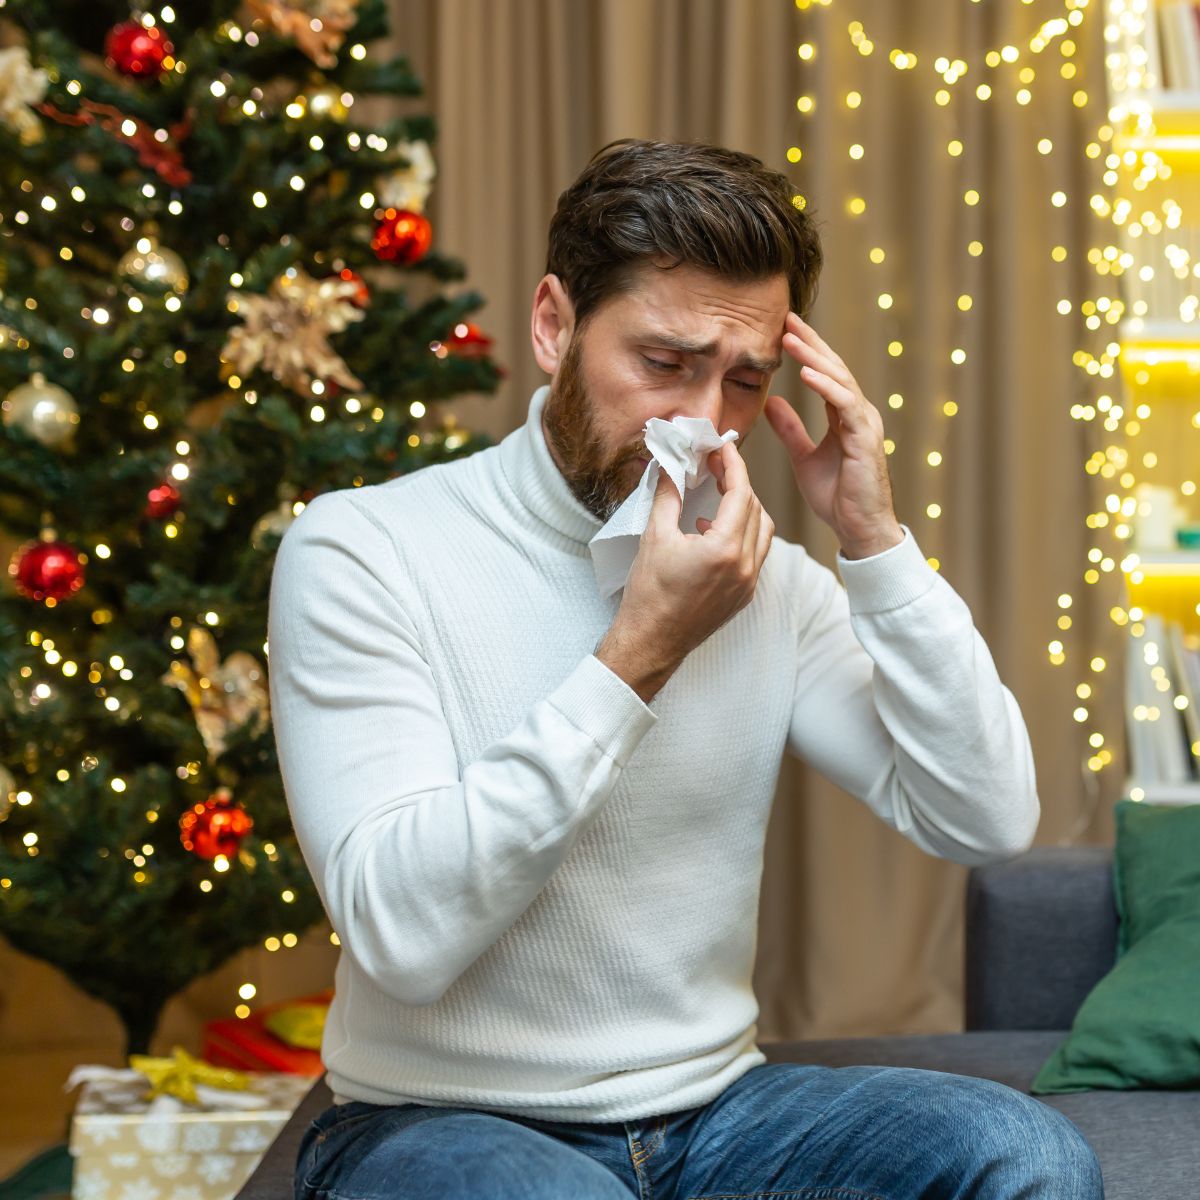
(673, 341)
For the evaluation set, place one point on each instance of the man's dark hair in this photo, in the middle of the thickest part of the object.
(690, 202)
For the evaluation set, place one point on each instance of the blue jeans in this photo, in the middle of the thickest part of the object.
(782, 1130)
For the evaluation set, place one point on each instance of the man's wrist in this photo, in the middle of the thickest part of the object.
(644, 673)
(874, 546)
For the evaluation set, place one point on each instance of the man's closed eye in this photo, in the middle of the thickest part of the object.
(662, 366)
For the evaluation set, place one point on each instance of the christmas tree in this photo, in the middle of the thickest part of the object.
(218, 299)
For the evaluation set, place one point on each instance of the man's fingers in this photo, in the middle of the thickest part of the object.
(737, 496)
(716, 467)
(750, 537)
(766, 531)
(719, 461)
(733, 466)
(664, 512)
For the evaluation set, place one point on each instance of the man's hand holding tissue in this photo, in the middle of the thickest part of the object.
(845, 477)
(684, 586)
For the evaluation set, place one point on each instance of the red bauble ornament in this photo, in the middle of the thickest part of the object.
(137, 50)
(162, 501)
(215, 826)
(362, 297)
(469, 341)
(47, 570)
(401, 235)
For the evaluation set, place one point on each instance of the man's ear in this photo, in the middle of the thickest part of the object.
(551, 323)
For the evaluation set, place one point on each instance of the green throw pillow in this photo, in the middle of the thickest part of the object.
(1140, 1025)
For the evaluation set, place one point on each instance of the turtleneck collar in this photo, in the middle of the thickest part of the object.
(536, 480)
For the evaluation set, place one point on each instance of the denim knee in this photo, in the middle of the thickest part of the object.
(1067, 1160)
(1020, 1146)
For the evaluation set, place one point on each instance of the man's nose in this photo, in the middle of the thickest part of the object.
(707, 400)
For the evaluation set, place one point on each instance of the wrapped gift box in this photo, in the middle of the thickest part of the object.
(248, 1045)
(128, 1148)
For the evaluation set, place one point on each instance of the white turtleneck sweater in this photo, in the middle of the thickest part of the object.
(546, 891)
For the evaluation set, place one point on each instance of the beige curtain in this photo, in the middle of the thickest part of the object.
(860, 932)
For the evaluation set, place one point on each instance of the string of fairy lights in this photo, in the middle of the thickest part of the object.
(1051, 50)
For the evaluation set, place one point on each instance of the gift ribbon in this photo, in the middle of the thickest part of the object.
(178, 1078)
(181, 1074)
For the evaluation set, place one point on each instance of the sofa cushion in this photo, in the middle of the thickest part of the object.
(1139, 1027)
(1156, 867)
(1041, 932)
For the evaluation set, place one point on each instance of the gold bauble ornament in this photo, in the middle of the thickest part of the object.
(153, 268)
(43, 410)
(272, 524)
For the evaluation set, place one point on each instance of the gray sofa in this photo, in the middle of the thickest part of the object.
(1040, 931)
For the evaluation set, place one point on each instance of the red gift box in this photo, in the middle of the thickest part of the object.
(246, 1044)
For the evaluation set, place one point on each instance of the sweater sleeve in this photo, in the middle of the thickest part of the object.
(899, 703)
(420, 864)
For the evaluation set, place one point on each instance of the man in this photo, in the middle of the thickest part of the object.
(536, 816)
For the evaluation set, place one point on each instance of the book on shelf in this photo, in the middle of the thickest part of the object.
(1186, 659)
(1171, 40)
(1161, 664)
(1153, 48)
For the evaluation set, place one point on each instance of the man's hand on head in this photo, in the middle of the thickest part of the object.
(845, 478)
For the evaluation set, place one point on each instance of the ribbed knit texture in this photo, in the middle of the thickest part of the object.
(546, 891)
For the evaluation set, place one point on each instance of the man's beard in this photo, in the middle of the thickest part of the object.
(568, 420)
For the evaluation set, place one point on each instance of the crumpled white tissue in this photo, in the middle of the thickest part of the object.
(681, 448)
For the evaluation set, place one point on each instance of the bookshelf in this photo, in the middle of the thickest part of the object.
(1153, 168)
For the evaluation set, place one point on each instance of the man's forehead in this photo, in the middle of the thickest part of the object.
(689, 302)
(687, 284)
